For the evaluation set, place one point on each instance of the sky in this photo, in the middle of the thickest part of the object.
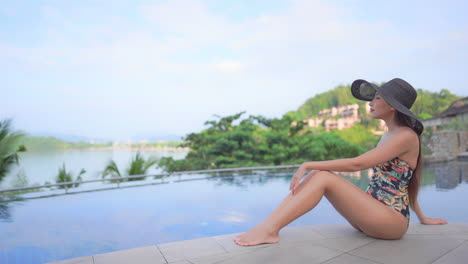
(133, 69)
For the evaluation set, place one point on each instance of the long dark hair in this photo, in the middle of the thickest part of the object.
(414, 183)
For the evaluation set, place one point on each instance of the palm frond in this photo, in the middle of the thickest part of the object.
(138, 166)
(9, 140)
(150, 162)
(5, 128)
(6, 163)
(78, 178)
(64, 176)
(111, 170)
(9, 147)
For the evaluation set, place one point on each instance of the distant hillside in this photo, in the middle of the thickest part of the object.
(427, 105)
(51, 143)
(341, 95)
(65, 137)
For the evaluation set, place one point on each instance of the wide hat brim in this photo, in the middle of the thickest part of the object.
(364, 90)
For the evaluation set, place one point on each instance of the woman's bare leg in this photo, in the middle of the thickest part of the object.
(272, 237)
(361, 210)
(288, 198)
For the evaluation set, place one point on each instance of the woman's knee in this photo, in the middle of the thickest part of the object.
(325, 176)
(322, 178)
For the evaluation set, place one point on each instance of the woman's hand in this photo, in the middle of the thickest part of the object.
(297, 178)
(433, 221)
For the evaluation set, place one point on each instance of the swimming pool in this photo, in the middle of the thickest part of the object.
(69, 226)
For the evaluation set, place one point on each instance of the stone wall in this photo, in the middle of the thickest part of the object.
(446, 175)
(447, 145)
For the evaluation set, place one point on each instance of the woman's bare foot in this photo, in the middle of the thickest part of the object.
(256, 236)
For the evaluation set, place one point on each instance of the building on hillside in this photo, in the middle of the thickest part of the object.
(340, 117)
(457, 111)
(452, 143)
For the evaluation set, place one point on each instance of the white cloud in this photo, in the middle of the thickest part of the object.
(229, 66)
(190, 20)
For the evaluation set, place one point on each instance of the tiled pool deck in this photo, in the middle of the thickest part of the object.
(330, 244)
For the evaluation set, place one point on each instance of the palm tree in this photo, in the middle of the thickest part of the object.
(9, 147)
(67, 176)
(112, 170)
(138, 166)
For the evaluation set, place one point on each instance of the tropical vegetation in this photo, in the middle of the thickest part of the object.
(253, 141)
(138, 166)
(10, 146)
(67, 176)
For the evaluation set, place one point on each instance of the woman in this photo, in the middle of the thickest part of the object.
(382, 211)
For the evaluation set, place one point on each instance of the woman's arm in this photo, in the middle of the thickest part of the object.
(426, 220)
(391, 148)
(418, 211)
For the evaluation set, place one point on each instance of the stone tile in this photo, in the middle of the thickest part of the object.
(142, 255)
(450, 228)
(344, 244)
(349, 259)
(463, 236)
(212, 259)
(182, 250)
(337, 230)
(83, 260)
(299, 234)
(227, 242)
(458, 255)
(410, 249)
(284, 254)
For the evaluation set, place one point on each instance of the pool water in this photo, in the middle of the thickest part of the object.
(84, 224)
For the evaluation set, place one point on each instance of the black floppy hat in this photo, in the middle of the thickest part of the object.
(397, 92)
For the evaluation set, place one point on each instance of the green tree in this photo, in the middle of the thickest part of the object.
(111, 170)
(429, 104)
(255, 141)
(340, 95)
(359, 135)
(138, 166)
(67, 176)
(9, 147)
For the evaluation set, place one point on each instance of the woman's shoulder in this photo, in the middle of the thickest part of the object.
(403, 133)
(407, 133)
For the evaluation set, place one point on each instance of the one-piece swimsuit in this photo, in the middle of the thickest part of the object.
(389, 185)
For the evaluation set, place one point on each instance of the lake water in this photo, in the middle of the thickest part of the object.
(40, 167)
(83, 224)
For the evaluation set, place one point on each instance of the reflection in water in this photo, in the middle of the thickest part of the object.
(360, 178)
(446, 175)
(5, 215)
(245, 180)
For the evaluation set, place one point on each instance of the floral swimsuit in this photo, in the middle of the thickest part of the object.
(389, 185)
